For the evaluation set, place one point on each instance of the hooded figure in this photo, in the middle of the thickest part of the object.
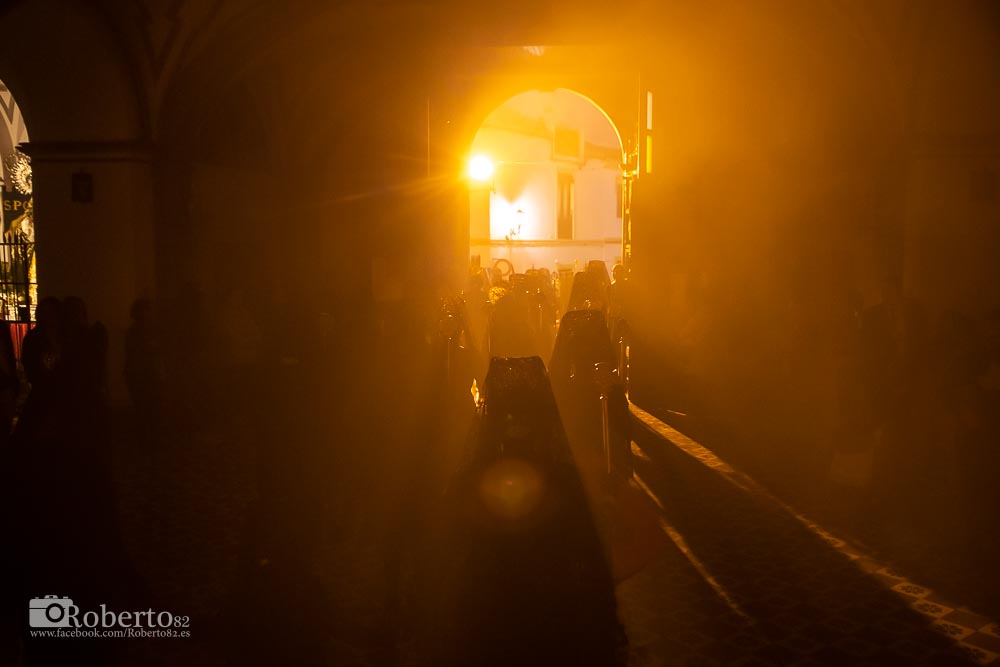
(583, 368)
(527, 579)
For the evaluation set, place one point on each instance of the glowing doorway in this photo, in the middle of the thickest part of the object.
(546, 185)
(18, 283)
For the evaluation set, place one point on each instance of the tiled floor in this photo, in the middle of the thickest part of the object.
(791, 593)
(737, 578)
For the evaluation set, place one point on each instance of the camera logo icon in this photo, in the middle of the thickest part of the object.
(51, 611)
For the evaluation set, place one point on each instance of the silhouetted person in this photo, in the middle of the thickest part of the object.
(524, 577)
(477, 305)
(590, 291)
(42, 357)
(65, 539)
(456, 349)
(86, 357)
(582, 368)
(617, 326)
(35, 529)
(144, 369)
(514, 324)
(550, 300)
(10, 382)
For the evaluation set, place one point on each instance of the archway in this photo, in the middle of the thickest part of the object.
(545, 174)
(18, 282)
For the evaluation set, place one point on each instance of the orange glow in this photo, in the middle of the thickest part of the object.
(515, 220)
(480, 168)
(474, 390)
(511, 489)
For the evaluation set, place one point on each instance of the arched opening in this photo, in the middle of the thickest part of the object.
(545, 175)
(18, 282)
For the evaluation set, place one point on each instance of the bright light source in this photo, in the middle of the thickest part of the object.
(480, 168)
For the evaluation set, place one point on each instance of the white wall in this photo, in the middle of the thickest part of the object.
(524, 199)
(526, 180)
(597, 202)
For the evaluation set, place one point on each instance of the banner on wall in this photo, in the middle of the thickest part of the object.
(14, 205)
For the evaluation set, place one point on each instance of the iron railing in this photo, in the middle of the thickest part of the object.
(18, 288)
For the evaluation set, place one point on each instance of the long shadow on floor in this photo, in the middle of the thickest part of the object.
(806, 602)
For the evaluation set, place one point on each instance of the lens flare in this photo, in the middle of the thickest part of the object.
(511, 489)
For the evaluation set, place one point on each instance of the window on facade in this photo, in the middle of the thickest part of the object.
(566, 143)
(564, 215)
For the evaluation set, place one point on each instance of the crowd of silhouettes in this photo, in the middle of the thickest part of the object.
(573, 322)
(513, 314)
(234, 375)
(61, 513)
(522, 574)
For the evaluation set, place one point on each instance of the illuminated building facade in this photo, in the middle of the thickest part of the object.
(555, 194)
